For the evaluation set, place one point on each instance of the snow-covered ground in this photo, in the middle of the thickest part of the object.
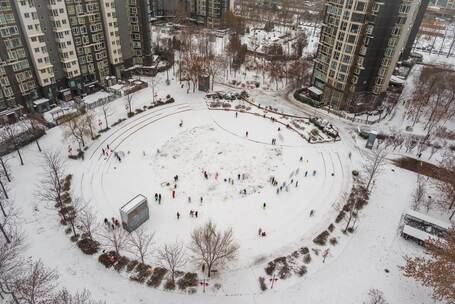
(154, 149)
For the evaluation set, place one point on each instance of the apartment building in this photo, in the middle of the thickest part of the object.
(209, 13)
(359, 46)
(443, 3)
(18, 85)
(111, 31)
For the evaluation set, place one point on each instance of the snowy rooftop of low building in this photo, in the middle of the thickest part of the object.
(315, 90)
(95, 97)
(133, 203)
(417, 233)
(117, 86)
(428, 219)
(40, 101)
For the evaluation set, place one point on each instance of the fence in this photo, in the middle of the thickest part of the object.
(102, 101)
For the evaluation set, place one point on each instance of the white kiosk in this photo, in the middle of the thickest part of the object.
(134, 213)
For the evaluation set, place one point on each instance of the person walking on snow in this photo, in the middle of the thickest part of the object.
(259, 231)
(173, 193)
(189, 199)
(178, 215)
(159, 198)
(236, 114)
(156, 197)
(306, 173)
(202, 199)
(195, 214)
(246, 133)
(264, 205)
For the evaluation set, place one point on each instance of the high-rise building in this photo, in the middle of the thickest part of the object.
(209, 13)
(359, 46)
(18, 85)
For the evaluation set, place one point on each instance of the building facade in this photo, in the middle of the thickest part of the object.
(18, 83)
(360, 44)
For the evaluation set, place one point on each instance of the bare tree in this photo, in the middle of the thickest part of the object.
(37, 284)
(87, 221)
(376, 297)
(11, 263)
(115, 238)
(419, 193)
(65, 297)
(50, 188)
(90, 123)
(106, 113)
(213, 248)
(129, 101)
(437, 269)
(4, 169)
(172, 257)
(445, 184)
(76, 129)
(373, 164)
(275, 70)
(140, 243)
(8, 218)
(9, 135)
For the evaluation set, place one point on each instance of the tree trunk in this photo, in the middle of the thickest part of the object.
(209, 269)
(20, 156)
(4, 234)
(5, 170)
(105, 119)
(4, 192)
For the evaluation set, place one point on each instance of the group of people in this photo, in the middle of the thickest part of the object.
(193, 213)
(158, 198)
(113, 223)
(107, 151)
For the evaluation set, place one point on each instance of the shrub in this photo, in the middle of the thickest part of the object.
(192, 290)
(104, 130)
(217, 286)
(96, 136)
(118, 122)
(333, 241)
(68, 230)
(108, 258)
(188, 280)
(168, 96)
(301, 271)
(169, 285)
(66, 186)
(270, 268)
(130, 114)
(285, 272)
(142, 272)
(80, 154)
(307, 258)
(157, 277)
(66, 210)
(74, 238)
(295, 254)
(340, 216)
(63, 222)
(321, 239)
(88, 246)
(139, 111)
(262, 284)
(304, 250)
(361, 203)
(121, 263)
(331, 227)
(355, 172)
(131, 265)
